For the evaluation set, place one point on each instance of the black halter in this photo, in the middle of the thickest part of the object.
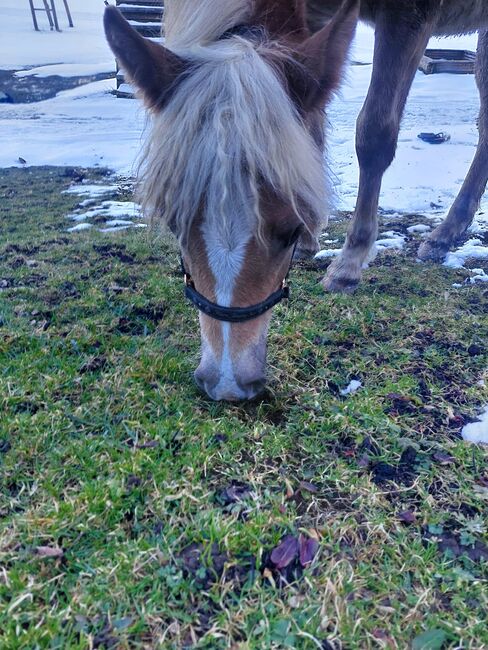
(234, 314)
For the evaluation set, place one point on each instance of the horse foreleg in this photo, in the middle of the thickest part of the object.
(468, 200)
(400, 42)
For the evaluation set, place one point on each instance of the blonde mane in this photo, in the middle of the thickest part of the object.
(229, 128)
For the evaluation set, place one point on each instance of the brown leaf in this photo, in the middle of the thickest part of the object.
(308, 550)
(289, 489)
(285, 553)
(443, 458)
(305, 486)
(407, 516)
(49, 551)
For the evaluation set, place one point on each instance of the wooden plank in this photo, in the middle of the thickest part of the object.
(448, 61)
(142, 14)
(146, 17)
(147, 3)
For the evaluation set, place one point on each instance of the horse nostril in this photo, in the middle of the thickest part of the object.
(254, 388)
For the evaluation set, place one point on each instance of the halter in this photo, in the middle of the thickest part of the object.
(235, 314)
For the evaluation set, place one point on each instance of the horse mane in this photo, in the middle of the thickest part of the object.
(228, 129)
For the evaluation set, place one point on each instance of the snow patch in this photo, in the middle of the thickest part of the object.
(478, 276)
(327, 253)
(419, 229)
(81, 226)
(477, 432)
(66, 70)
(353, 387)
(93, 191)
(473, 249)
(390, 240)
(116, 209)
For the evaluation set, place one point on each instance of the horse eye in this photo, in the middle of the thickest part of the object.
(292, 240)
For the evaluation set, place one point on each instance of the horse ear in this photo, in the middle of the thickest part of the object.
(153, 68)
(324, 55)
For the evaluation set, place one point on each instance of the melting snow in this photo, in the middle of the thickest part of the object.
(353, 387)
(477, 432)
(473, 249)
(390, 240)
(80, 226)
(93, 191)
(65, 70)
(419, 228)
(479, 276)
(327, 253)
(109, 209)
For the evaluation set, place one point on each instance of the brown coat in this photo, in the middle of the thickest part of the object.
(452, 16)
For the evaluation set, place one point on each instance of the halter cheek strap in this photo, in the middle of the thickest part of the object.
(234, 314)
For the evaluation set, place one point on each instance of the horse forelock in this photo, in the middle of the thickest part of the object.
(198, 22)
(229, 128)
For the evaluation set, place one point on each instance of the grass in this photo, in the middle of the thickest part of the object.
(134, 513)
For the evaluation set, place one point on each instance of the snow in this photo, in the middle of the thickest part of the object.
(353, 387)
(85, 126)
(422, 174)
(118, 215)
(109, 209)
(478, 276)
(328, 253)
(21, 46)
(390, 240)
(473, 249)
(80, 227)
(477, 432)
(419, 229)
(93, 191)
(65, 70)
(89, 126)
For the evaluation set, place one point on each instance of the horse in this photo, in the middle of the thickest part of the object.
(234, 162)
(402, 31)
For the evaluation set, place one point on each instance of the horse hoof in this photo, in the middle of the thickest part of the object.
(433, 251)
(340, 284)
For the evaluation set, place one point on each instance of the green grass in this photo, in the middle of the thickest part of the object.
(109, 453)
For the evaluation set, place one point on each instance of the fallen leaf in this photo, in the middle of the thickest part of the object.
(234, 493)
(430, 640)
(407, 516)
(49, 551)
(285, 553)
(443, 458)
(122, 623)
(308, 550)
(305, 486)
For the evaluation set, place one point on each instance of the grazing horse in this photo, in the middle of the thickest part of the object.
(403, 28)
(234, 162)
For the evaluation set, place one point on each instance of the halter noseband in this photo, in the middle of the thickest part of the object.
(234, 314)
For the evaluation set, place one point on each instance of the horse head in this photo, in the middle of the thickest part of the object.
(234, 161)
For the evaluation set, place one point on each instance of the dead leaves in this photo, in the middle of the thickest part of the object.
(49, 552)
(286, 561)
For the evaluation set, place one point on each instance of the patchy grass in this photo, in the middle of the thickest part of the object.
(134, 513)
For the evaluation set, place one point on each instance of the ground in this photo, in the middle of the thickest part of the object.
(135, 513)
